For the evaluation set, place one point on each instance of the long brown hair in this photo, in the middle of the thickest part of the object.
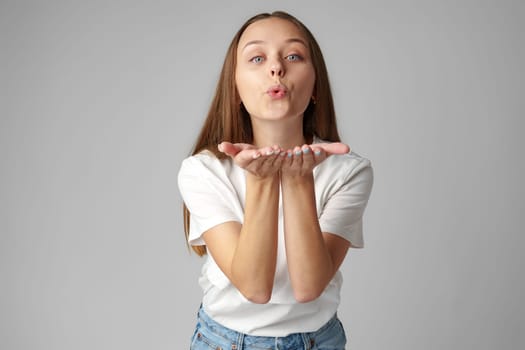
(228, 120)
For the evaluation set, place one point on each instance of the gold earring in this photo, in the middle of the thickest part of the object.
(314, 101)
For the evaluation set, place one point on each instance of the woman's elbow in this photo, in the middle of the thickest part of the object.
(257, 293)
(307, 295)
(260, 297)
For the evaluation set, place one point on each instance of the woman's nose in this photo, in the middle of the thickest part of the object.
(276, 69)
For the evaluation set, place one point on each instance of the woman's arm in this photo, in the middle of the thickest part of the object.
(247, 253)
(313, 257)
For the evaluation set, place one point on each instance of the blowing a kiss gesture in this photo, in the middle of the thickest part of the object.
(267, 161)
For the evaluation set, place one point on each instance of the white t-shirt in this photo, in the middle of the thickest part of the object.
(214, 192)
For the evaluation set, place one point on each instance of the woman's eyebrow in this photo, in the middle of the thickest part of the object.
(291, 40)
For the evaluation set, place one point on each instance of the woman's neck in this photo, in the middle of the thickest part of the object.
(283, 133)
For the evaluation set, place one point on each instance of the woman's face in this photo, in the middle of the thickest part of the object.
(274, 73)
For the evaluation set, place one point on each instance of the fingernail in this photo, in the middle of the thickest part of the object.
(256, 155)
(290, 154)
(283, 154)
(317, 152)
(269, 153)
(298, 153)
(306, 150)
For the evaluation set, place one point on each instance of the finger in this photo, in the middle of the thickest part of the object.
(232, 149)
(297, 160)
(267, 151)
(273, 154)
(318, 154)
(258, 159)
(333, 148)
(279, 160)
(287, 158)
(308, 158)
(245, 157)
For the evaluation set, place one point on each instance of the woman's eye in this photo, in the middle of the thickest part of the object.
(293, 57)
(257, 59)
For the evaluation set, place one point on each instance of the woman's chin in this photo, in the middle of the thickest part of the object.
(278, 114)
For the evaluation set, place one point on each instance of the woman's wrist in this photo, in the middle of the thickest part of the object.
(295, 179)
(262, 180)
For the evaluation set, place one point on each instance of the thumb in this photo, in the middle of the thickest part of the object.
(231, 149)
(334, 148)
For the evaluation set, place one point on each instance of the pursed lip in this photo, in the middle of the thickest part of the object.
(277, 91)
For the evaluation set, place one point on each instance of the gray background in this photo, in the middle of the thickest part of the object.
(100, 102)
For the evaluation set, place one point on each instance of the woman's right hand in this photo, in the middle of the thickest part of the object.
(261, 162)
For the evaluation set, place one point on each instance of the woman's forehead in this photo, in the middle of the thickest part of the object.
(271, 30)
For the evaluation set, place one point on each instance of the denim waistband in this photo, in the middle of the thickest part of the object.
(306, 338)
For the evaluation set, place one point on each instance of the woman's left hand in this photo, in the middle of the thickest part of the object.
(302, 160)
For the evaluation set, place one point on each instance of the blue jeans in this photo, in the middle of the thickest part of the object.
(212, 335)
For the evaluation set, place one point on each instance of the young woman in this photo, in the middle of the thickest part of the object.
(272, 196)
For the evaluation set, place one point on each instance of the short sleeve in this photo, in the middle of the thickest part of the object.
(342, 213)
(208, 194)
